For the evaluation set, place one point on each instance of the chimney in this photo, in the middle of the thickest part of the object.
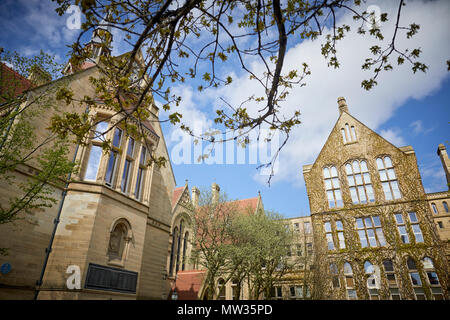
(215, 189)
(195, 196)
(38, 76)
(442, 153)
(342, 105)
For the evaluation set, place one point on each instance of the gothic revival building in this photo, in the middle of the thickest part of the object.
(373, 228)
(111, 224)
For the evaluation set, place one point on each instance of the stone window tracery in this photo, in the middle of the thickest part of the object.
(332, 187)
(388, 178)
(359, 182)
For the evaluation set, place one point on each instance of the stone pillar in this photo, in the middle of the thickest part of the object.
(342, 105)
(442, 153)
(195, 196)
(215, 189)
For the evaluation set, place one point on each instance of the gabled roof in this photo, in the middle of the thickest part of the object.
(176, 195)
(10, 79)
(189, 284)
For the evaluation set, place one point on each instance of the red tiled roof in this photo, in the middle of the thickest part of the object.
(189, 284)
(177, 192)
(11, 83)
(245, 204)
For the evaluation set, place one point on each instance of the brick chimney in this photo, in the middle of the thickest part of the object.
(342, 105)
(215, 189)
(195, 196)
(442, 153)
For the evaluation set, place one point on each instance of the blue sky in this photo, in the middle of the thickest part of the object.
(406, 109)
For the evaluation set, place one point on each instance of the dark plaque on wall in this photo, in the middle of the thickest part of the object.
(112, 279)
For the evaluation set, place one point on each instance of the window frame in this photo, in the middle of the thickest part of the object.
(361, 188)
(334, 190)
(375, 228)
(389, 181)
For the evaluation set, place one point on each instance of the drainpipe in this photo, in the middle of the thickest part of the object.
(55, 222)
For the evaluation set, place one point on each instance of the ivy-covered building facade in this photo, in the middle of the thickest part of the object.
(373, 227)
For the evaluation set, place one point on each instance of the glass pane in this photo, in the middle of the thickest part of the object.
(351, 294)
(327, 227)
(399, 218)
(299, 291)
(341, 240)
(355, 166)
(412, 216)
(137, 192)
(330, 199)
(95, 155)
(354, 195)
(368, 267)
(380, 236)
(348, 168)
(110, 168)
(403, 235)
(415, 279)
(388, 162)
(411, 264)
(353, 133)
(348, 268)
(330, 241)
(364, 166)
(362, 195)
(362, 238)
(359, 223)
(391, 174)
(433, 278)
(396, 190)
(366, 178)
(417, 232)
(370, 194)
(391, 280)
(326, 172)
(143, 156)
(383, 176)
(343, 135)
(427, 263)
(328, 184)
(126, 170)
(334, 172)
(358, 179)
(117, 138)
(380, 164)
(445, 206)
(130, 148)
(372, 240)
(376, 221)
(368, 222)
(335, 183)
(351, 181)
(333, 268)
(100, 129)
(338, 196)
(388, 266)
(339, 226)
(387, 191)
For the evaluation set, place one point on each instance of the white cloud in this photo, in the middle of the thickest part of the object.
(393, 136)
(418, 127)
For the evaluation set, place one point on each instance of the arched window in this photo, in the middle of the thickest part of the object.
(444, 203)
(353, 133)
(349, 281)
(347, 131)
(177, 265)
(433, 206)
(185, 244)
(335, 275)
(222, 289)
(414, 276)
(234, 289)
(433, 279)
(173, 250)
(372, 283)
(120, 236)
(388, 178)
(391, 279)
(332, 187)
(343, 135)
(359, 182)
(95, 151)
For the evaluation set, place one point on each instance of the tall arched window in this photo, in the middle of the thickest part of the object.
(444, 203)
(414, 276)
(359, 182)
(432, 278)
(372, 282)
(388, 178)
(349, 281)
(173, 250)
(185, 244)
(222, 289)
(177, 265)
(334, 276)
(433, 206)
(332, 187)
(391, 279)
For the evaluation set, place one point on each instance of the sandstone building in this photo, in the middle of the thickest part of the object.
(111, 223)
